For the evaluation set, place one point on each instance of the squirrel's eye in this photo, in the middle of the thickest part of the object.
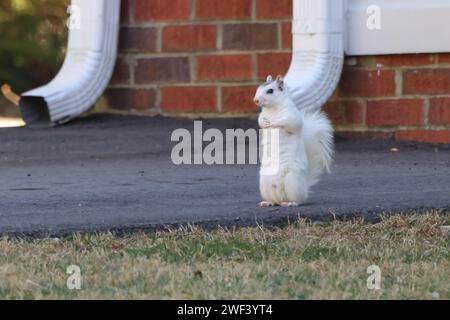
(270, 91)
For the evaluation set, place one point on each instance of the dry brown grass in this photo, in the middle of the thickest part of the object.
(301, 261)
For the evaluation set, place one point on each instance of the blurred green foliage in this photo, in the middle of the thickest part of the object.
(33, 38)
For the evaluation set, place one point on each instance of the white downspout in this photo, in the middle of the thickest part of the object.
(87, 69)
(318, 51)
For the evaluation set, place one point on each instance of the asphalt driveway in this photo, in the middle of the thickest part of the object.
(115, 173)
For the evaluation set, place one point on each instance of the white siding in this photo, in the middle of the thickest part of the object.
(407, 26)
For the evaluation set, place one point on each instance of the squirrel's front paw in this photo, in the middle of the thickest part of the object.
(265, 123)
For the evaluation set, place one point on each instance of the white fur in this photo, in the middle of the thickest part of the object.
(305, 146)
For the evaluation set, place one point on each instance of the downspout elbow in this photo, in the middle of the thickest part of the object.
(318, 51)
(86, 71)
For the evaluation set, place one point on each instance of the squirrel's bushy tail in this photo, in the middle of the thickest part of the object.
(319, 143)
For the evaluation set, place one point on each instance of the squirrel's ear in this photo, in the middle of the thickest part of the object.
(280, 82)
(269, 79)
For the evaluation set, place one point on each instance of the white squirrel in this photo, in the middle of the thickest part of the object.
(305, 146)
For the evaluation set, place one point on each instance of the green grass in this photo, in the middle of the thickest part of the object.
(301, 261)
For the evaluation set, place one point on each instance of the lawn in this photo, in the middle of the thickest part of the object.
(303, 260)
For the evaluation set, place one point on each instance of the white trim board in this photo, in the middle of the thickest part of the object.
(407, 26)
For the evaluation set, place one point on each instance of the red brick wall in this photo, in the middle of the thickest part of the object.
(402, 96)
(206, 57)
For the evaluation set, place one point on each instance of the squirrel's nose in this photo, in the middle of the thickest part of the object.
(256, 100)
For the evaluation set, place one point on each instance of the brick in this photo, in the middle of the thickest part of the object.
(157, 10)
(444, 58)
(134, 39)
(224, 67)
(174, 69)
(372, 135)
(239, 99)
(121, 73)
(199, 37)
(250, 36)
(125, 9)
(332, 110)
(220, 9)
(273, 64)
(426, 81)
(367, 83)
(286, 34)
(345, 112)
(188, 99)
(267, 9)
(401, 60)
(428, 136)
(395, 112)
(129, 99)
(439, 113)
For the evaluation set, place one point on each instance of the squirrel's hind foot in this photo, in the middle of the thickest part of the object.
(266, 204)
(289, 204)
